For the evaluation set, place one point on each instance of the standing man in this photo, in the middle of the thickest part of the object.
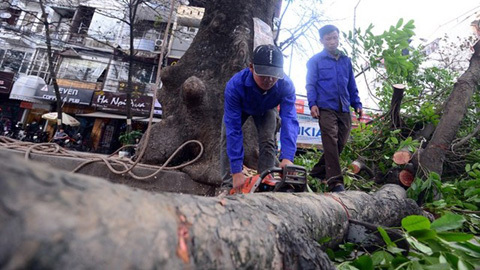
(256, 92)
(331, 90)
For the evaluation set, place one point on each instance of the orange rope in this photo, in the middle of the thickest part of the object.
(340, 202)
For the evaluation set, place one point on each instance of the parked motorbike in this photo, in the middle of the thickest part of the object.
(75, 143)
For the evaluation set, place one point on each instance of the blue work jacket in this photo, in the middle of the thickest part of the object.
(242, 95)
(331, 83)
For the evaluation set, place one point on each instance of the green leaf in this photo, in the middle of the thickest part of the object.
(439, 266)
(447, 222)
(381, 258)
(423, 235)
(437, 245)
(462, 265)
(415, 222)
(363, 262)
(455, 236)
(468, 167)
(419, 246)
(394, 140)
(470, 206)
(471, 192)
(399, 23)
(385, 237)
(395, 250)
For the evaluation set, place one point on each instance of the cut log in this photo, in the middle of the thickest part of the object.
(59, 220)
(406, 178)
(359, 165)
(402, 156)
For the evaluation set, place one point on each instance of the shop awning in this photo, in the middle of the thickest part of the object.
(117, 116)
(25, 87)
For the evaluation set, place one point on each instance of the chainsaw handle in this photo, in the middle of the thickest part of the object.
(269, 171)
(289, 169)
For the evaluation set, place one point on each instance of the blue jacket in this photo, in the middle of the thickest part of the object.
(331, 84)
(243, 96)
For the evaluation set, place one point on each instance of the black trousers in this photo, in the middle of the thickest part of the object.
(335, 128)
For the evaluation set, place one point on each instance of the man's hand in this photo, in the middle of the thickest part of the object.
(238, 180)
(314, 112)
(285, 162)
(359, 112)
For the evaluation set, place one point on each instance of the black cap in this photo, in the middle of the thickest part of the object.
(268, 61)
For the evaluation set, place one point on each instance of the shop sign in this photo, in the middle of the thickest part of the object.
(6, 81)
(72, 95)
(116, 102)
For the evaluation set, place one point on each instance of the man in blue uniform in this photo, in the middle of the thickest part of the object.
(331, 90)
(256, 92)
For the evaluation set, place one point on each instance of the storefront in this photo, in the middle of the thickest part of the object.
(22, 107)
(76, 98)
(110, 119)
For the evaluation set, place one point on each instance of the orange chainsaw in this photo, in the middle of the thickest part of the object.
(292, 178)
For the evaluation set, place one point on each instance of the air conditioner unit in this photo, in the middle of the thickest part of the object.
(158, 44)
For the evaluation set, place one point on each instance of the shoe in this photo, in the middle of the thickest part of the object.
(338, 188)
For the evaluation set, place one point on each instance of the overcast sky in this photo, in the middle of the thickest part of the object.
(433, 18)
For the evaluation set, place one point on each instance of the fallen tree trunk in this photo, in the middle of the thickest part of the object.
(454, 111)
(58, 220)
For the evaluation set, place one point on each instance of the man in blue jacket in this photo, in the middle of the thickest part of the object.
(256, 92)
(331, 90)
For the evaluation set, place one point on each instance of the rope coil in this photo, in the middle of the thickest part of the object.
(110, 160)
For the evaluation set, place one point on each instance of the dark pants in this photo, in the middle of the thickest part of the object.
(335, 129)
(266, 125)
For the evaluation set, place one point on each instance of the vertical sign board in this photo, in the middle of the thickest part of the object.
(6, 81)
(309, 132)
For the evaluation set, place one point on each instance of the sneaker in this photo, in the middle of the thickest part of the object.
(338, 188)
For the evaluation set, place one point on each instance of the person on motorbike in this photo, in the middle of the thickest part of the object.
(60, 136)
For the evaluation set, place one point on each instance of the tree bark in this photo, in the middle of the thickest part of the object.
(58, 220)
(192, 92)
(455, 108)
(395, 106)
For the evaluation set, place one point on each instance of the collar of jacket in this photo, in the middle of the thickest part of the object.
(325, 54)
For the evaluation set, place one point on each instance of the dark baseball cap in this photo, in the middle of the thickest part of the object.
(268, 61)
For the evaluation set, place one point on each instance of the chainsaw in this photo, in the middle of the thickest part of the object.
(291, 178)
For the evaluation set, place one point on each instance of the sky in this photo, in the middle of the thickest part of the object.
(433, 18)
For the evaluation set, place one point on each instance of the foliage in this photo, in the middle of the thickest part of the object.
(127, 138)
(460, 196)
(437, 245)
(308, 160)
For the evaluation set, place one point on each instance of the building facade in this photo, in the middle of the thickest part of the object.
(90, 43)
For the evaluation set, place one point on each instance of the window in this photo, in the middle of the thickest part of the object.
(39, 66)
(12, 61)
(30, 22)
(142, 73)
(81, 70)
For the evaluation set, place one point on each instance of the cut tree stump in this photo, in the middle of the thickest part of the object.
(406, 178)
(402, 156)
(52, 219)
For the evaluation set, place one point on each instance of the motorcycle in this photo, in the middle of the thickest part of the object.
(75, 143)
